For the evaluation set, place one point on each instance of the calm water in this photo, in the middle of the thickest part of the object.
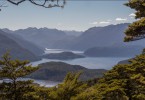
(47, 51)
(46, 83)
(40, 82)
(88, 62)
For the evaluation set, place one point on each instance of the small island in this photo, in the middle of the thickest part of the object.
(113, 51)
(63, 56)
(56, 71)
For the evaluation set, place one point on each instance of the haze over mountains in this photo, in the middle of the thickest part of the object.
(18, 49)
(43, 37)
(109, 37)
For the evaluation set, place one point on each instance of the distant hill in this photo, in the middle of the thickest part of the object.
(63, 56)
(115, 51)
(74, 33)
(17, 51)
(106, 36)
(95, 37)
(37, 50)
(56, 71)
(43, 37)
(123, 62)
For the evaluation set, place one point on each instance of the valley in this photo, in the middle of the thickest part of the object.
(90, 50)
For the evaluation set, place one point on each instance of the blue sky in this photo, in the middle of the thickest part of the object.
(76, 15)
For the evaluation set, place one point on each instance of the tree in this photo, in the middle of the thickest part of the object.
(123, 82)
(136, 30)
(41, 3)
(69, 89)
(143, 52)
(12, 87)
(128, 78)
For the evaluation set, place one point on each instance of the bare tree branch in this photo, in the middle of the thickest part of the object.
(44, 3)
(16, 3)
(2, 5)
(49, 5)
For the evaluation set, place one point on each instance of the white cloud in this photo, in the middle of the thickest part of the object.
(104, 22)
(94, 23)
(101, 22)
(121, 19)
(132, 15)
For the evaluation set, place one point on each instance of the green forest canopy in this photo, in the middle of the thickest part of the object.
(136, 30)
(122, 82)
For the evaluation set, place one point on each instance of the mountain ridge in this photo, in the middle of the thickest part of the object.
(107, 36)
(16, 51)
(56, 71)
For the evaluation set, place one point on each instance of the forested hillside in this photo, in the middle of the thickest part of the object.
(17, 51)
(125, 81)
(36, 49)
(122, 82)
(42, 37)
(56, 71)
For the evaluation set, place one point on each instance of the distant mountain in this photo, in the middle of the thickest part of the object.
(124, 62)
(74, 33)
(37, 50)
(114, 51)
(7, 30)
(111, 35)
(95, 37)
(43, 37)
(56, 71)
(17, 51)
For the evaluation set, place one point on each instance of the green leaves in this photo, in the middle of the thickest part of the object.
(124, 81)
(139, 6)
(136, 30)
(69, 89)
(14, 70)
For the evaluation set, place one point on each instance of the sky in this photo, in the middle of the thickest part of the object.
(76, 15)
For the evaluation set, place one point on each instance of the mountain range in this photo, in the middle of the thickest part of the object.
(109, 38)
(43, 37)
(18, 48)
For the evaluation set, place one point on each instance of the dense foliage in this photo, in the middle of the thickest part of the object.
(12, 86)
(136, 30)
(56, 71)
(122, 82)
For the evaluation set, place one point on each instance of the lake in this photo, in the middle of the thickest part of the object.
(88, 62)
(40, 82)
(46, 83)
